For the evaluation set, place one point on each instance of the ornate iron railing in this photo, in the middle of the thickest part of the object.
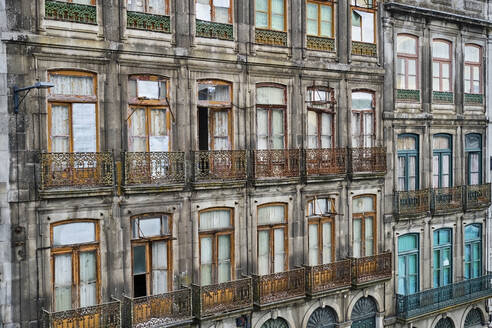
(473, 99)
(371, 159)
(154, 168)
(412, 202)
(158, 310)
(442, 97)
(70, 12)
(320, 43)
(326, 161)
(447, 199)
(371, 268)
(364, 49)
(408, 95)
(279, 287)
(477, 196)
(76, 170)
(214, 30)
(106, 315)
(220, 164)
(467, 291)
(148, 22)
(220, 298)
(279, 163)
(326, 277)
(270, 37)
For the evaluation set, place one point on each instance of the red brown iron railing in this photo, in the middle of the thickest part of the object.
(477, 196)
(326, 161)
(328, 277)
(371, 268)
(154, 168)
(278, 163)
(220, 165)
(412, 202)
(447, 199)
(106, 315)
(367, 160)
(279, 287)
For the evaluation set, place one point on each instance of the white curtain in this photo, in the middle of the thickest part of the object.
(369, 238)
(412, 173)
(368, 129)
(270, 95)
(313, 244)
(474, 168)
(278, 15)
(271, 214)
(221, 133)
(356, 247)
(159, 267)
(279, 255)
(157, 7)
(356, 132)
(203, 10)
(211, 220)
(137, 131)
(401, 173)
(73, 85)
(135, 5)
(206, 260)
(327, 242)
(74, 233)
(158, 139)
(446, 170)
(83, 2)
(60, 129)
(262, 128)
(312, 130)
(326, 130)
(222, 11)
(224, 258)
(84, 127)
(435, 171)
(88, 279)
(63, 282)
(263, 252)
(278, 129)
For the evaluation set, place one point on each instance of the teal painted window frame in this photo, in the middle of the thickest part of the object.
(468, 272)
(407, 154)
(472, 151)
(441, 153)
(438, 249)
(405, 255)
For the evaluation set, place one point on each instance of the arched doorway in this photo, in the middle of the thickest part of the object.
(445, 323)
(322, 318)
(275, 323)
(364, 313)
(474, 319)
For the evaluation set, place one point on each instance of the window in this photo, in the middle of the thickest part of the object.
(408, 264)
(363, 20)
(364, 225)
(219, 11)
(473, 69)
(75, 264)
(320, 18)
(82, 2)
(363, 123)
(72, 112)
(442, 161)
(321, 227)
(159, 7)
(148, 114)
(270, 117)
(443, 272)
(151, 254)
(473, 150)
(473, 251)
(216, 246)
(407, 62)
(270, 14)
(441, 66)
(321, 118)
(214, 115)
(272, 239)
(408, 162)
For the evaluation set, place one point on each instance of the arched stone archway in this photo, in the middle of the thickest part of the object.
(474, 319)
(445, 323)
(322, 318)
(364, 313)
(275, 323)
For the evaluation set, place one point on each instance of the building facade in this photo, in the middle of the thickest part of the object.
(224, 163)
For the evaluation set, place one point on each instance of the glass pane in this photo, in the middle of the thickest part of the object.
(278, 7)
(74, 233)
(158, 139)
(363, 204)
(313, 244)
(88, 280)
(406, 45)
(148, 89)
(224, 258)
(263, 252)
(367, 28)
(84, 127)
(60, 129)
(407, 143)
(270, 95)
(206, 260)
(357, 237)
(218, 219)
(472, 232)
(159, 267)
(262, 5)
(203, 11)
(261, 20)
(135, 5)
(362, 100)
(222, 15)
(312, 27)
(271, 214)
(63, 282)
(139, 258)
(369, 238)
(407, 243)
(214, 92)
(445, 70)
(312, 12)
(441, 142)
(440, 49)
(472, 54)
(72, 85)
(279, 256)
(277, 22)
(157, 7)
(327, 244)
(312, 129)
(149, 227)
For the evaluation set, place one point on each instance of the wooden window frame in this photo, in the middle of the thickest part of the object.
(470, 243)
(319, 4)
(269, 16)
(147, 242)
(408, 57)
(319, 220)
(362, 216)
(439, 248)
(269, 108)
(407, 154)
(93, 2)
(69, 100)
(212, 11)
(361, 112)
(75, 250)
(372, 10)
(472, 65)
(440, 153)
(441, 62)
(271, 229)
(405, 254)
(147, 10)
(320, 111)
(214, 234)
(471, 151)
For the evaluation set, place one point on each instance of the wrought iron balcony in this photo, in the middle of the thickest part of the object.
(76, 170)
(161, 310)
(148, 22)
(477, 196)
(70, 12)
(367, 160)
(154, 168)
(412, 202)
(212, 300)
(371, 269)
(214, 30)
(447, 199)
(457, 294)
(327, 161)
(330, 277)
(278, 163)
(98, 316)
(279, 287)
(364, 49)
(220, 165)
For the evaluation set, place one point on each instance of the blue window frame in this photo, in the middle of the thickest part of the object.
(408, 264)
(473, 151)
(473, 251)
(443, 267)
(408, 162)
(442, 161)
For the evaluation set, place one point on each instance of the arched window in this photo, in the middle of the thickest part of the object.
(474, 319)
(321, 227)
(473, 251)
(275, 323)
(442, 66)
(271, 14)
(473, 69)
(158, 7)
(363, 119)
(151, 254)
(443, 258)
(445, 323)
(323, 318)
(442, 161)
(473, 150)
(408, 264)
(364, 313)
(271, 108)
(408, 162)
(364, 225)
(272, 238)
(75, 264)
(219, 11)
(319, 18)
(407, 65)
(321, 118)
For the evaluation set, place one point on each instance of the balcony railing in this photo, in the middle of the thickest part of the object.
(279, 287)
(76, 170)
(412, 202)
(328, 277)
(457, 294)
(159, 310)
(477, 196)
(279, 163)
(221, 298)
(371, 268)
(70, 12)
(220, 164)
(326, 161)
(98, 316)
(367, 160)
(154, 168)
(447, 199)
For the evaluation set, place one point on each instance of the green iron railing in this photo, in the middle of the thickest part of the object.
(442, 97)
(473, 99)
(70, 12)
(148, 22)
(408, 95)
(213, 30)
